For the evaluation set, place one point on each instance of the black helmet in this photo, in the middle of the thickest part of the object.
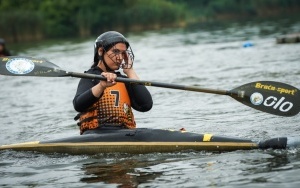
(108, 40)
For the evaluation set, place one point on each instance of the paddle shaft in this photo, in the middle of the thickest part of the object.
(147, 83)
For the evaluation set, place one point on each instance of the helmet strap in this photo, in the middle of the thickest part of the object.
(100, 57)
(106, 66)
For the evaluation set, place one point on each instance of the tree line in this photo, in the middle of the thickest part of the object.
(30, 20)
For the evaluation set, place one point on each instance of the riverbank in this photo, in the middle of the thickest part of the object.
(36, 20)
(211, 26)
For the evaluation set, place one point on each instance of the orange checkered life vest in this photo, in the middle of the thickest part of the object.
(113, 108)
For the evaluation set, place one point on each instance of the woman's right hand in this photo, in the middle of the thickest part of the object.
(111, 77)
(98, 89)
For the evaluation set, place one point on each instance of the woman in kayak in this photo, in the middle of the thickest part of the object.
(107, 104)
(3, 51)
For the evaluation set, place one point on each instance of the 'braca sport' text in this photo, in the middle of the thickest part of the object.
(274, 88)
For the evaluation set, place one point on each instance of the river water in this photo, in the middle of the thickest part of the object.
(37, 108)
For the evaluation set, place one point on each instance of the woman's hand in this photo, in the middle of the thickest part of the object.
(128, 67)
(127, 61)
(98, 89)
(131, 73)
(111, 77)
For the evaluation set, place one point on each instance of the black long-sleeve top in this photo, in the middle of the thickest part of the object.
(140, 97)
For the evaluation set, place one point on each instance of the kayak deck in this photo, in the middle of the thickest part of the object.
(139, 141)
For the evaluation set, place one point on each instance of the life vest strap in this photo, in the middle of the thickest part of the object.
(79, 114)
(86, 120)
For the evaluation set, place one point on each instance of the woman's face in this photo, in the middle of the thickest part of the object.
(115, 56)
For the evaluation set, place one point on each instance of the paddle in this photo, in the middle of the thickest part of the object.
(267, 96)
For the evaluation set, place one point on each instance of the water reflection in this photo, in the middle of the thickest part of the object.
(122, 172)
(133, 170)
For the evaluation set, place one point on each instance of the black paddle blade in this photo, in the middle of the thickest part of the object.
(29, 66)
(268, 96)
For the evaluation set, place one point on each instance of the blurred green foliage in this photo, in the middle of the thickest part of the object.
(29, 20)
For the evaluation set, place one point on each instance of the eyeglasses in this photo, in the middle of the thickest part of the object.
(126, 56)
(117, 52)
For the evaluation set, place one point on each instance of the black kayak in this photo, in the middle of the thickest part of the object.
(142, 140)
